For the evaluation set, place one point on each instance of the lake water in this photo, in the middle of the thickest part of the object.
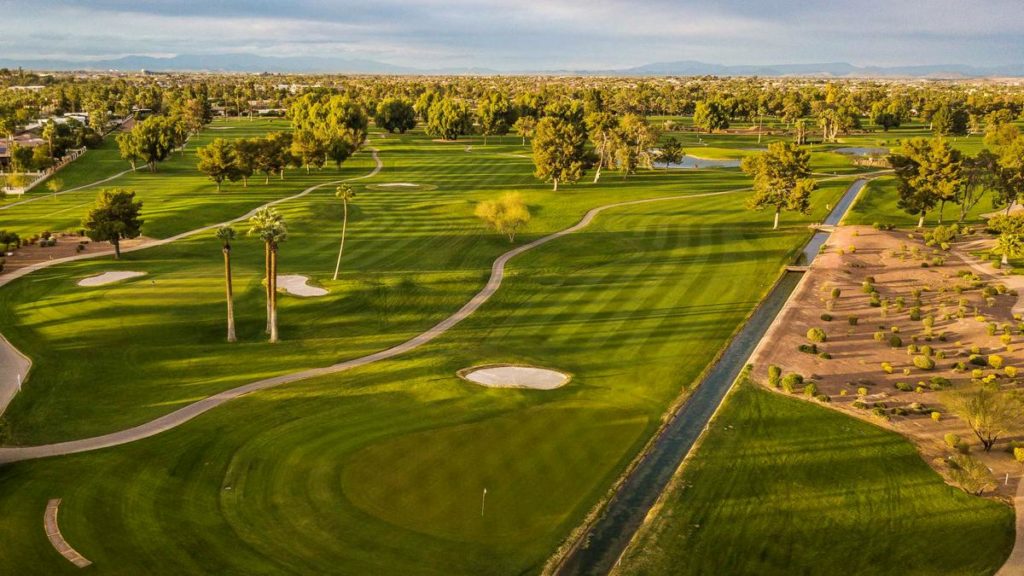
(862, 151)
(694, 162)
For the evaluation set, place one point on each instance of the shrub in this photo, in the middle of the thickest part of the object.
(791, 381)
(867, 287)
(895, 341)
(878, 412)
(879, 336)
(924, 362)
(927, 351)
(915, 313)
(816, 335)
(808, 348)
(991, 329)
(952, 440)
(823, 398)
(859, 405)
(852, 320)
(978, 360)
(826, 317)
(936, 416)
(774, 376)
(995, 361)
(911, 349)
(811, 389)
(904, 387)
(1010, 371)
(824, 356)
(862, 391)
(977, 373)
(939, 383)
(887, 367)
(876, 301)
(835, 293)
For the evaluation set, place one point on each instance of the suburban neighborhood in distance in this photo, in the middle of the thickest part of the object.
(556, 288)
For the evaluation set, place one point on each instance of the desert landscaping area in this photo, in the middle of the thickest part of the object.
(887, 326)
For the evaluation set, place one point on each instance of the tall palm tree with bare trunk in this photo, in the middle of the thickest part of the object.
(226, 234)
(268, 225)
(346, 194)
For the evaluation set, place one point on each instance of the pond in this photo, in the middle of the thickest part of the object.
(862, 151)
(695, 162)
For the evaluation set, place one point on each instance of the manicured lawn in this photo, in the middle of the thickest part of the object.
(413, 257)
(380, 470)
(879, 203)
(781, 486)
(176, 197)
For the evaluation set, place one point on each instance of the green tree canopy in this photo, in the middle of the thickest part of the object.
(114, 217)
(781, 179)
(558, 150)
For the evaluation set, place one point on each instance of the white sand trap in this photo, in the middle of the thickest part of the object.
(296, 285)
(108, 278)
(399, 185)
(515, 377)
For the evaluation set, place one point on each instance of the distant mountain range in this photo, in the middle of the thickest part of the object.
(254, 63)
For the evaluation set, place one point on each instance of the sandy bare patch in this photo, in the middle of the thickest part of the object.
(515, 377)
(109, 278)
(67, 246)
(295, 285)
(854, 376)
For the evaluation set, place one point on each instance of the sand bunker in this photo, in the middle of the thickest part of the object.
(515, 377)
(296, 285)
(108, 278)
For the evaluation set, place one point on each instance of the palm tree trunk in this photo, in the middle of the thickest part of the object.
(270, 285)
(556, 185)
(273, 295)
(344, 225)
(776, 226)
(117, 247)
(229, 294)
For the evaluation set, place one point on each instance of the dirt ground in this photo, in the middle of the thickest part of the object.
(67, 245)
(951, 285)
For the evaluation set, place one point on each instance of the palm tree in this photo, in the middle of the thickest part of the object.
(268, 225)
(346, 194)
(226, 234)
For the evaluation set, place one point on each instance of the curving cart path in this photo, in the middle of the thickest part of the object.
(182, 415)
(14, 366)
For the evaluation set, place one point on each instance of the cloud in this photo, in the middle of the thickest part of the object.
(527, 33)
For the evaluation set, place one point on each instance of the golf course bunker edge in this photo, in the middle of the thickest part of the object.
(515, 376)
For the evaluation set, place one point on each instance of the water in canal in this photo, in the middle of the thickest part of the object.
(612, 532)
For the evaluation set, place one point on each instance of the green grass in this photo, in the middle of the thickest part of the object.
(879, 203)
(781, 486)
(412, 258)
(380, 470)
(176, 197)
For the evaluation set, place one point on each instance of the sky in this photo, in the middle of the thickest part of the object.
(513, 35)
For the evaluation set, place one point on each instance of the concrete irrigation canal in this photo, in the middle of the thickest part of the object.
(600, 547)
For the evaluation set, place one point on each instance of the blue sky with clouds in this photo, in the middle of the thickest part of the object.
(518, 34)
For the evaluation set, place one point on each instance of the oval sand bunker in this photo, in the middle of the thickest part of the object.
(108, 278)
(515, 377)
(296, 285)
